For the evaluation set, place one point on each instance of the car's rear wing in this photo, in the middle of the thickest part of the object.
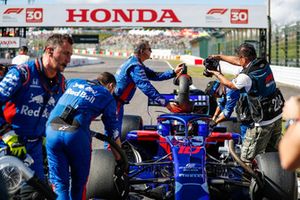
(201, 102)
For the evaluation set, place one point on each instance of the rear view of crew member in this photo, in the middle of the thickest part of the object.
(68, 135)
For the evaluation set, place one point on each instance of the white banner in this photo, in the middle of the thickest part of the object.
(11, 42)
(102, 15)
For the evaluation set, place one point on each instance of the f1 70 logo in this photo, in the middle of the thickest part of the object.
(239, 16)
(34, 15)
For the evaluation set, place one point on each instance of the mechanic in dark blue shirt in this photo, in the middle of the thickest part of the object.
(68, 139)
(133, 73)
(29, 92)
(227, 101)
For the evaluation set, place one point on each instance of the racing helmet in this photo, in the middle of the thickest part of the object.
(212, 87)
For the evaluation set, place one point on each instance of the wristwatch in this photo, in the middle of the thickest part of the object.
(290, 122)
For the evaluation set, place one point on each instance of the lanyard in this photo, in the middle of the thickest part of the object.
(43, 79)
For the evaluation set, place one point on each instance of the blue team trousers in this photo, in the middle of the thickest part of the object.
(69, 156)
(35, 150)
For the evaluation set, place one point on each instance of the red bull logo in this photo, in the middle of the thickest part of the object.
(36, 99)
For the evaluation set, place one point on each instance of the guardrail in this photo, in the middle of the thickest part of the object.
(77, 60)
(287, 75)
(282, 74)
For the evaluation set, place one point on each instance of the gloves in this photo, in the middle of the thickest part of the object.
(17, 148)
(180, 108)
(212, 124)
(179, 69)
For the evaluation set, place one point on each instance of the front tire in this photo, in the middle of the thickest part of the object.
(279, 184)
(100, 183)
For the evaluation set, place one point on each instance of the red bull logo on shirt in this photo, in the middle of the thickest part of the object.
(34, 112)
(81, 94)
(37, 99)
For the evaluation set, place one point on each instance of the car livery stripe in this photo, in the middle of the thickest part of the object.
(221, 137)
(127, 91)
(165, 146)
(147, 135)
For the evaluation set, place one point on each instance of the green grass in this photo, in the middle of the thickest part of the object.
(196, 70)
(281, 50)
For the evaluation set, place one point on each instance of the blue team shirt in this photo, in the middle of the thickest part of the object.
(134, 73)
(228, 101)
(90, 99)
(27, 99)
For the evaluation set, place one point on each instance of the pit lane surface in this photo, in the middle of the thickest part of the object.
(138, 105)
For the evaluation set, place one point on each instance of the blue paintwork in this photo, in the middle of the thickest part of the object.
(188, 153)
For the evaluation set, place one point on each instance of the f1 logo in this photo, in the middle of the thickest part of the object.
(239, 16)
(13, 11)
(220, 11)
(34, 15)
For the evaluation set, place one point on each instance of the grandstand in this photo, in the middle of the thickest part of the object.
(285, 40)
(159, 39)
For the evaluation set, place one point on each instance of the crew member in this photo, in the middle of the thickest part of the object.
(68, 140)
(22, 57)
(133, 73)
(265, 100)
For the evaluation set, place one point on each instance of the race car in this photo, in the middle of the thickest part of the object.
(182, 158)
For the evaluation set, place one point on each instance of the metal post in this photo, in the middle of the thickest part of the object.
(263, 43)
(4, 1)
(270, 31)
(286, 41)
(277, 48)
(297, 44)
